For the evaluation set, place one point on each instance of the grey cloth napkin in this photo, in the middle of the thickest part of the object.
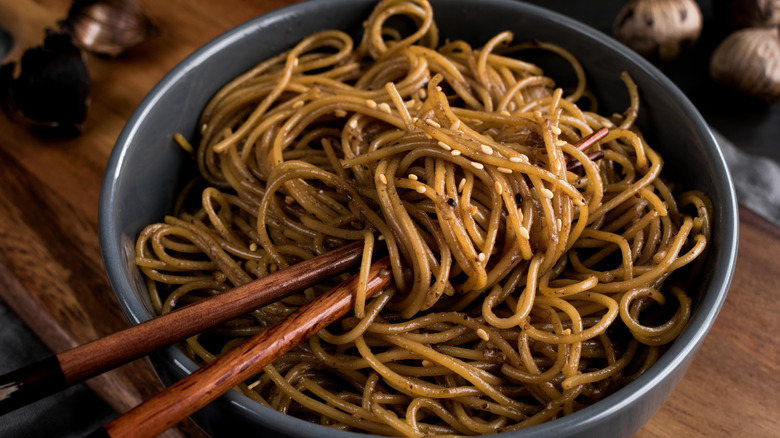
(70, 413)
(756, 179)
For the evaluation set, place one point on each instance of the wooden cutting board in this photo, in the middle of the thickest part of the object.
(51, 272)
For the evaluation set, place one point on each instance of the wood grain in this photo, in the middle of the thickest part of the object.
(52, 276)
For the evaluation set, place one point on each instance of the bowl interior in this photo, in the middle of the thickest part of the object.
(146, 169)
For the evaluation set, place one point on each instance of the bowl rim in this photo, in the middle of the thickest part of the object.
(679, 354)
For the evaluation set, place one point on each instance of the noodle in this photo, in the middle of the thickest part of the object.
(532, 264)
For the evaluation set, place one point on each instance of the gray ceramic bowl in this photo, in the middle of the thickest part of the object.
(146, 168)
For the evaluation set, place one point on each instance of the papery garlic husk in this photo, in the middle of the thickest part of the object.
(748, 60)
(108, 27)
(748, 13)
(659, 30)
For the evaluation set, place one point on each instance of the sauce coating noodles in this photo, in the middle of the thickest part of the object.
(531, 265)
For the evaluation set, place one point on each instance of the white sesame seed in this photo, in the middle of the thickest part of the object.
(298, 104)
(524, 233)
(253, 247)
(413, 177)
(426, 363)
(381, 237)
(504, 170)
(559, 222)
(422, 93)
(461, 184)
(371, 104)
(483, 334)
(515, 159)
(499, 187)
(433, 123)
(455, 125)
(561, 143)
(486, 149)
(340, 113)
(556, 130)
(353, 123)
(481, 257)
(444, 146)
(455, 152)
(505, 113)
(384, 106)
(415, 119)
(546, 193)
(420, 189)
(477, 165)
(438, 88)
(382, 178)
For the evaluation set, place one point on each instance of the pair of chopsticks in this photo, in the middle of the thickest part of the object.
(175, 403)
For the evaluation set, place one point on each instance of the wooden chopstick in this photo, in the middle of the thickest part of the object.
(62, 370)
(186, 396)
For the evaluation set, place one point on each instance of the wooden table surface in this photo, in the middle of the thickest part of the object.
(51, 272)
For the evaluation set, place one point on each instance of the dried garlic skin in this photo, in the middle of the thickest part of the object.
(748, 61)
(108, 27)
(659, 30)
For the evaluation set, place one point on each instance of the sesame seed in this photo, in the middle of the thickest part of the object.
(481, 257)
(381, 237)
(289, 200)
(504, 170)
(524, 233)
(415, 119)
(455, 152)
(455, 125)
(298, 104)
(413, 177)
(505, 113)
(444, 146)
(253, 247)
(427, 363)
(382, 178)
(538, 114)
(371, 104)
(561, 143)
(295, 62)
(546, 193)
(556, 130)
(461, 184)
(438, 88)
(477, 165)
(499, 187)
(433, 123)
(515, 159)
(384, 106)
(559, 222)
(203, 128)
(353, 123)
(486, 149)
(420, 189)
(340, 113)
(483, 334)
(422, 93)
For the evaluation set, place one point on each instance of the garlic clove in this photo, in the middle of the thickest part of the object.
(108, 27)
(748, 61)
(659, 30)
